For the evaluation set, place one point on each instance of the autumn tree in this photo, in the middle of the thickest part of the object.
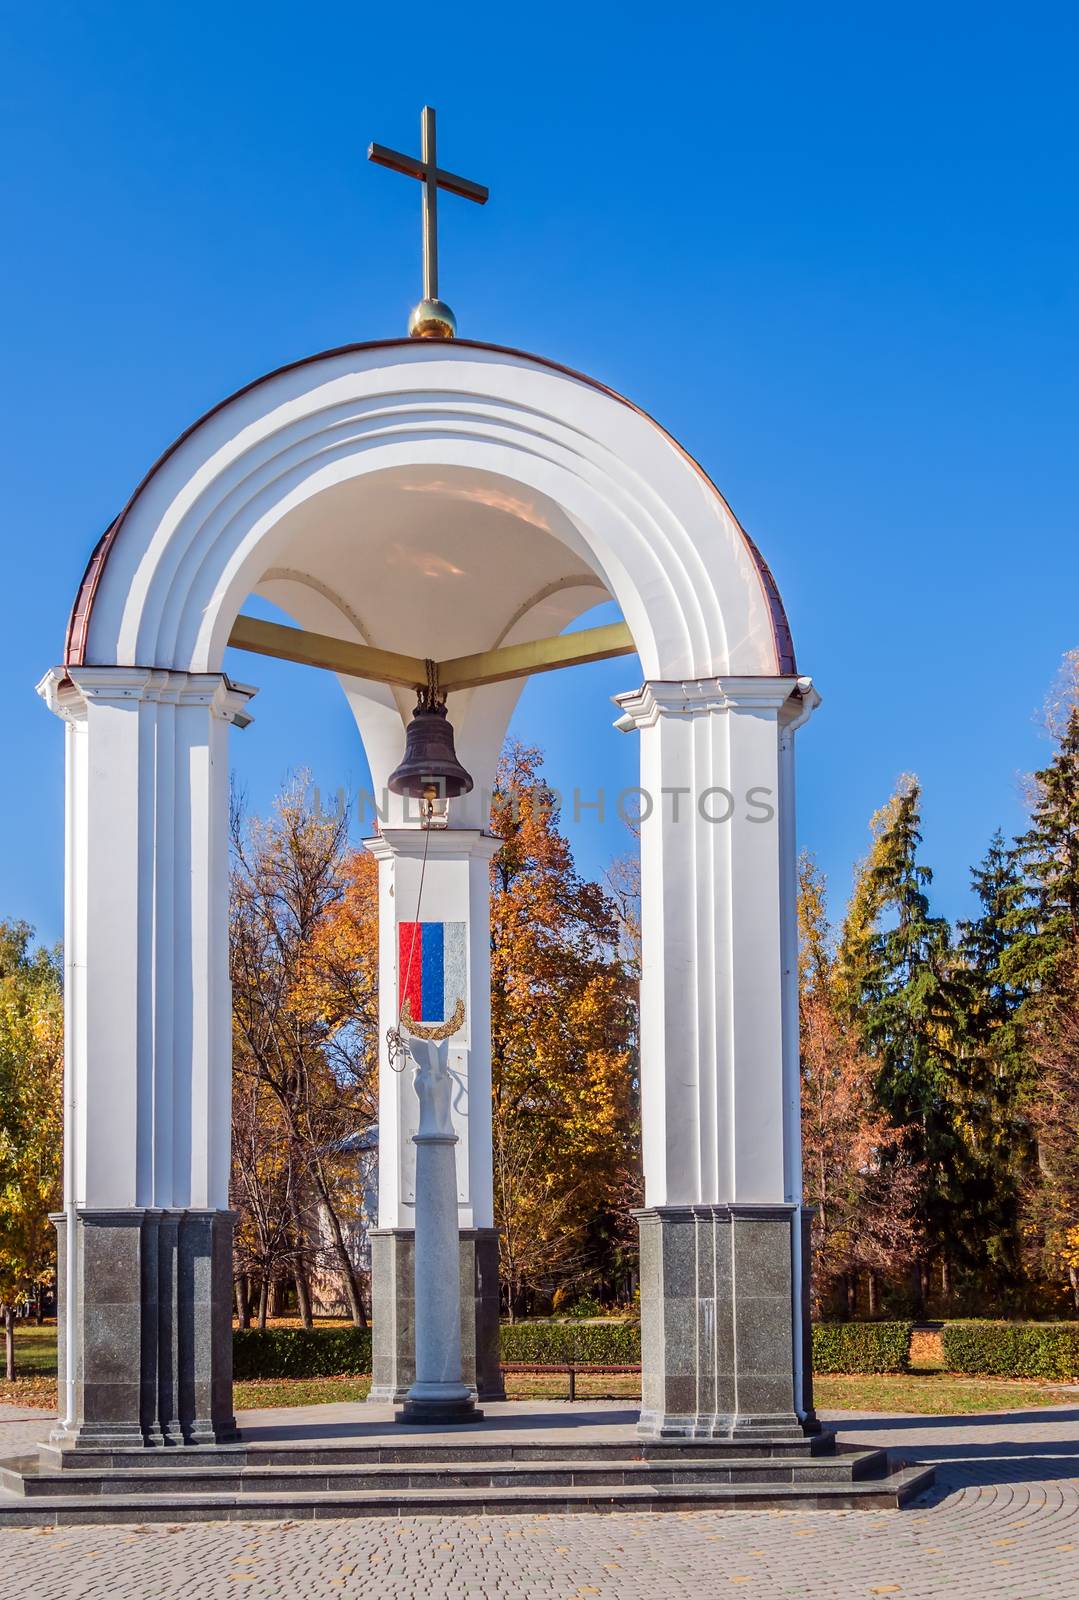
(857, 1175)
(271, 1241)
(31, 1118)
(623, 884)
(304, 984)
(565, 1109)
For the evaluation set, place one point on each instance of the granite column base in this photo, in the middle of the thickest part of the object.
(152, 1328)
(724, 1355)
(393, 1324)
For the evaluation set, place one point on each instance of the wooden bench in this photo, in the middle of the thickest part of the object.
(570, 1369)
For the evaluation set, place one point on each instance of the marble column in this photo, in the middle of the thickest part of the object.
(723, 1263)
(145, 1237)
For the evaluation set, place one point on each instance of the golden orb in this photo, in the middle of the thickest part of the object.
(432, 319)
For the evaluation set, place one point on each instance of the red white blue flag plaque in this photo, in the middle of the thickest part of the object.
(431, 969)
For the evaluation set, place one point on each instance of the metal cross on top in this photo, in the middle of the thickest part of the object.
(431, 319)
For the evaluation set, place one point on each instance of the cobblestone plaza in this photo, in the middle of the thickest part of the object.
(1002, 1521)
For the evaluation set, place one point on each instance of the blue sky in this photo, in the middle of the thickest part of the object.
(831, 248)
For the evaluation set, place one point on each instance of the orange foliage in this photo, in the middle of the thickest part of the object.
(563, 1018)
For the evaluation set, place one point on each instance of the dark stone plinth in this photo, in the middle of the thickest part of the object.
(421, 1413)
(153, 1328)
(393, 1328)
(718, 1349)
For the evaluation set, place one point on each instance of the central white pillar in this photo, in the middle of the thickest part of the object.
(454, 907)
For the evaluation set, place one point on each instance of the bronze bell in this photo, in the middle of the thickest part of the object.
(430, 769)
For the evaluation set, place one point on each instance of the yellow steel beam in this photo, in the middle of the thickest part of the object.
(537, 655)
(323, 650)
(462, 672)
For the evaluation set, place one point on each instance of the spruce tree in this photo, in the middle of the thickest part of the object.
(987, 942)
(905, 999)
(994, 1057)
(1046, 931)
(909, 1027)
(854, 951)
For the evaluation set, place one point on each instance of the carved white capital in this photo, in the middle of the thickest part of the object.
(69, 691)
(643, 707)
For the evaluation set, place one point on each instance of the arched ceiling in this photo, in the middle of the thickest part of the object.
(434, 561)
(462, 488)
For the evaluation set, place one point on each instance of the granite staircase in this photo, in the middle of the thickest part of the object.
(458, 1474)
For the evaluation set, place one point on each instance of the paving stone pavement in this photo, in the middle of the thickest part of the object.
(1003, 1522)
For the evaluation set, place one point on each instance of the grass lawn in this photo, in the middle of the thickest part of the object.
(935, 1394)
(35, 1365)
(297, 1392)
(35, 1349)
(925, 1391)
(519, 1386)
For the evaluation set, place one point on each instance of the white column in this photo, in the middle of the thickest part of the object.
(456, 888)
(718, 883)
(722, 1309)
(149, 1048)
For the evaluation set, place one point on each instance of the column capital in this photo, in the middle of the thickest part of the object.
(694, 697)
(445, 844)
(69, 691)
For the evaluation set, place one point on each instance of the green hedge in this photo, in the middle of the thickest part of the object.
(839, 1347)
(300, 1352)
(861, 1347)
(1051, 1351)
(1012, 1349)
(333, 1352)
(601, 1344)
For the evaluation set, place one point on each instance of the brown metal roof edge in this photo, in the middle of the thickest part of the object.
(78, 627)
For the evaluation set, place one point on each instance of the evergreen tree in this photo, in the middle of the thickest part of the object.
(994, 1050)
(908, 1006)
(854, 953)
(1050, 853)
(904, 988)
(987, 943)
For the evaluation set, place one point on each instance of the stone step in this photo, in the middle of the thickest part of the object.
(875, 1493)
(30, 1479)
(457, 1446)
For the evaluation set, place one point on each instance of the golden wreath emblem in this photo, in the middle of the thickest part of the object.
(434, 1030)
